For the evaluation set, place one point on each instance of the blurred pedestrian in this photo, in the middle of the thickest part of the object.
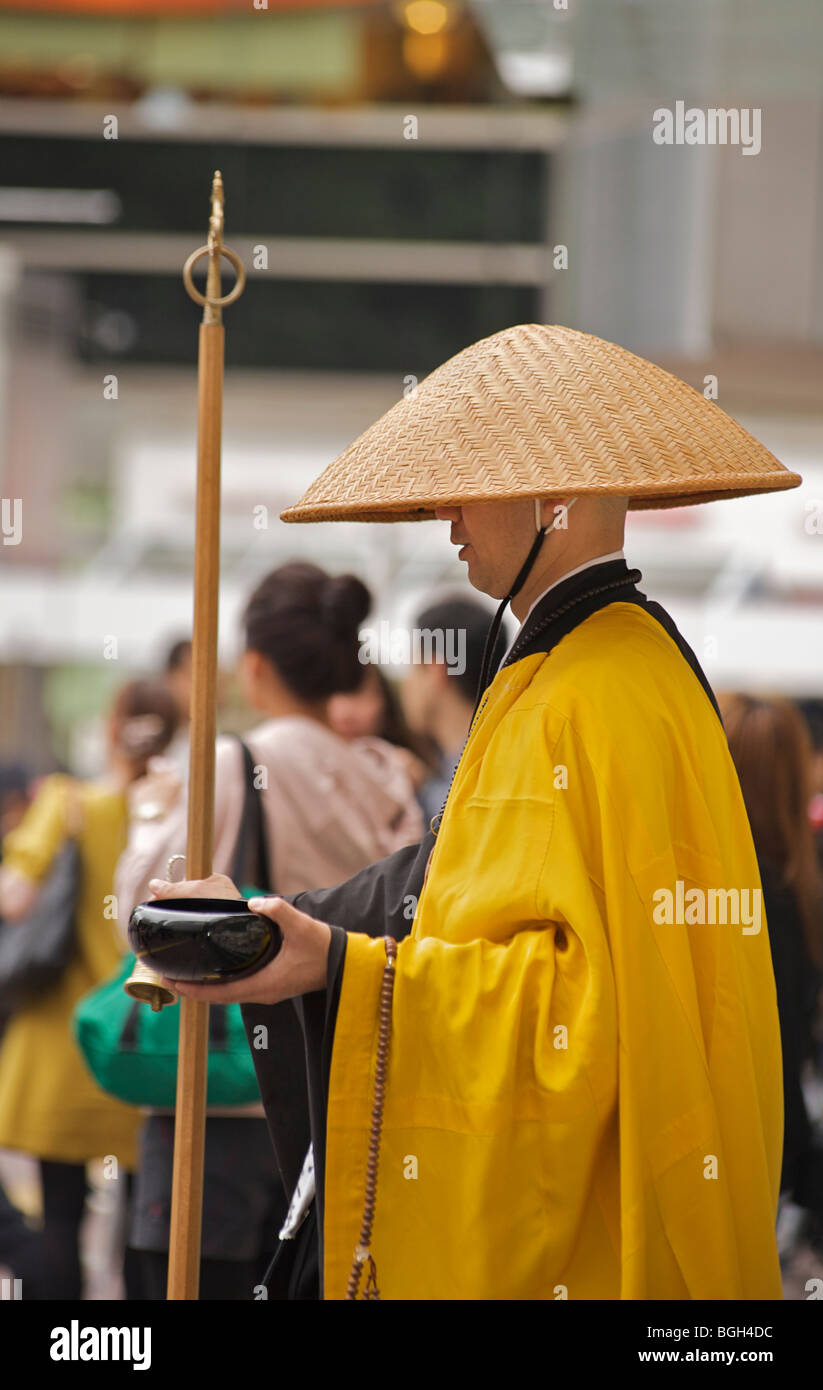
(438, 695)
(177, 677)
(330, 806)
(49, 1105)
(374, 710)
(15, 796)
(812, 711)
(20, 1247)
(772, 751)
(19, 1243)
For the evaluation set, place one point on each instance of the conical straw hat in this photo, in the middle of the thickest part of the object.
(541, 411)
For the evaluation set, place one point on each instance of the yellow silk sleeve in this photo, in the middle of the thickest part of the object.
(503, 1062)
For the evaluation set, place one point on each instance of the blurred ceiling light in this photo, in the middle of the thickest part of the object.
(544, 74)
(425, 54)
(426, 16)
(90, 205)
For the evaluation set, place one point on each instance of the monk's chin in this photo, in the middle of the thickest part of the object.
(484, 583)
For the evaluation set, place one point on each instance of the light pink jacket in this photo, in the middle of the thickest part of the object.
(331, 806)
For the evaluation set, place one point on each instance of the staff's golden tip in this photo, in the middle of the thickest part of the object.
(213, 302)
(147, 986)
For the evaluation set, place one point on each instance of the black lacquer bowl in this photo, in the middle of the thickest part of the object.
(212, 940)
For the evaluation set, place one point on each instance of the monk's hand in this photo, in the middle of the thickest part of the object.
(300, 966)
(215, 886)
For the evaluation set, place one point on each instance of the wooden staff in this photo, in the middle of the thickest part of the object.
(192, 1064)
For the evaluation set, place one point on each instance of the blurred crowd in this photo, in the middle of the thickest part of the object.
(349, 763)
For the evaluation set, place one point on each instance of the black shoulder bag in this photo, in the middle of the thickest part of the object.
(35, 950)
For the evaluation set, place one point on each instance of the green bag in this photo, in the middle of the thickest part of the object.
(132, 1052)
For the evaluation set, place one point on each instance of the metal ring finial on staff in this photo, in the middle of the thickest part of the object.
(212, 300)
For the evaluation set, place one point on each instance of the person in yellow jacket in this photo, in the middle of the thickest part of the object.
(582, 1094)
(50, 1106)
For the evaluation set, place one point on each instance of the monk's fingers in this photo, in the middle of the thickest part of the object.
(289, 919)
(215, 886)
(267, 986)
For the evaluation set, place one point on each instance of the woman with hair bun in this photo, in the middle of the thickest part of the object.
(49, 1105)
(330, 806)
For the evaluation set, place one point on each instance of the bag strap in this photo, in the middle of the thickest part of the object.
(252, 861)
(218, 1028)
(129, 1040)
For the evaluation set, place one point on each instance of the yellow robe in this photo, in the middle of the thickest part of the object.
(582, 1102)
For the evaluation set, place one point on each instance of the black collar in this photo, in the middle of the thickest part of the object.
(568, 604)
(574, 599)
(570, 601)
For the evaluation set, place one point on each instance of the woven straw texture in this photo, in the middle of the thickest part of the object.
(542, 411)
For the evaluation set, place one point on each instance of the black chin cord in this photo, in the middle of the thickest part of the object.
(494, 626)
(488, 648)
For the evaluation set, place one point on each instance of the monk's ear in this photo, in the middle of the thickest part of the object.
(557, 513)
(548, 509)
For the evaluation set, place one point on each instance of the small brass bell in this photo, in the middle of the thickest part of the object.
(145, 984)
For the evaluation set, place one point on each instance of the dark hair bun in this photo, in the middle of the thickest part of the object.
(306, 624)
(344, 602)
